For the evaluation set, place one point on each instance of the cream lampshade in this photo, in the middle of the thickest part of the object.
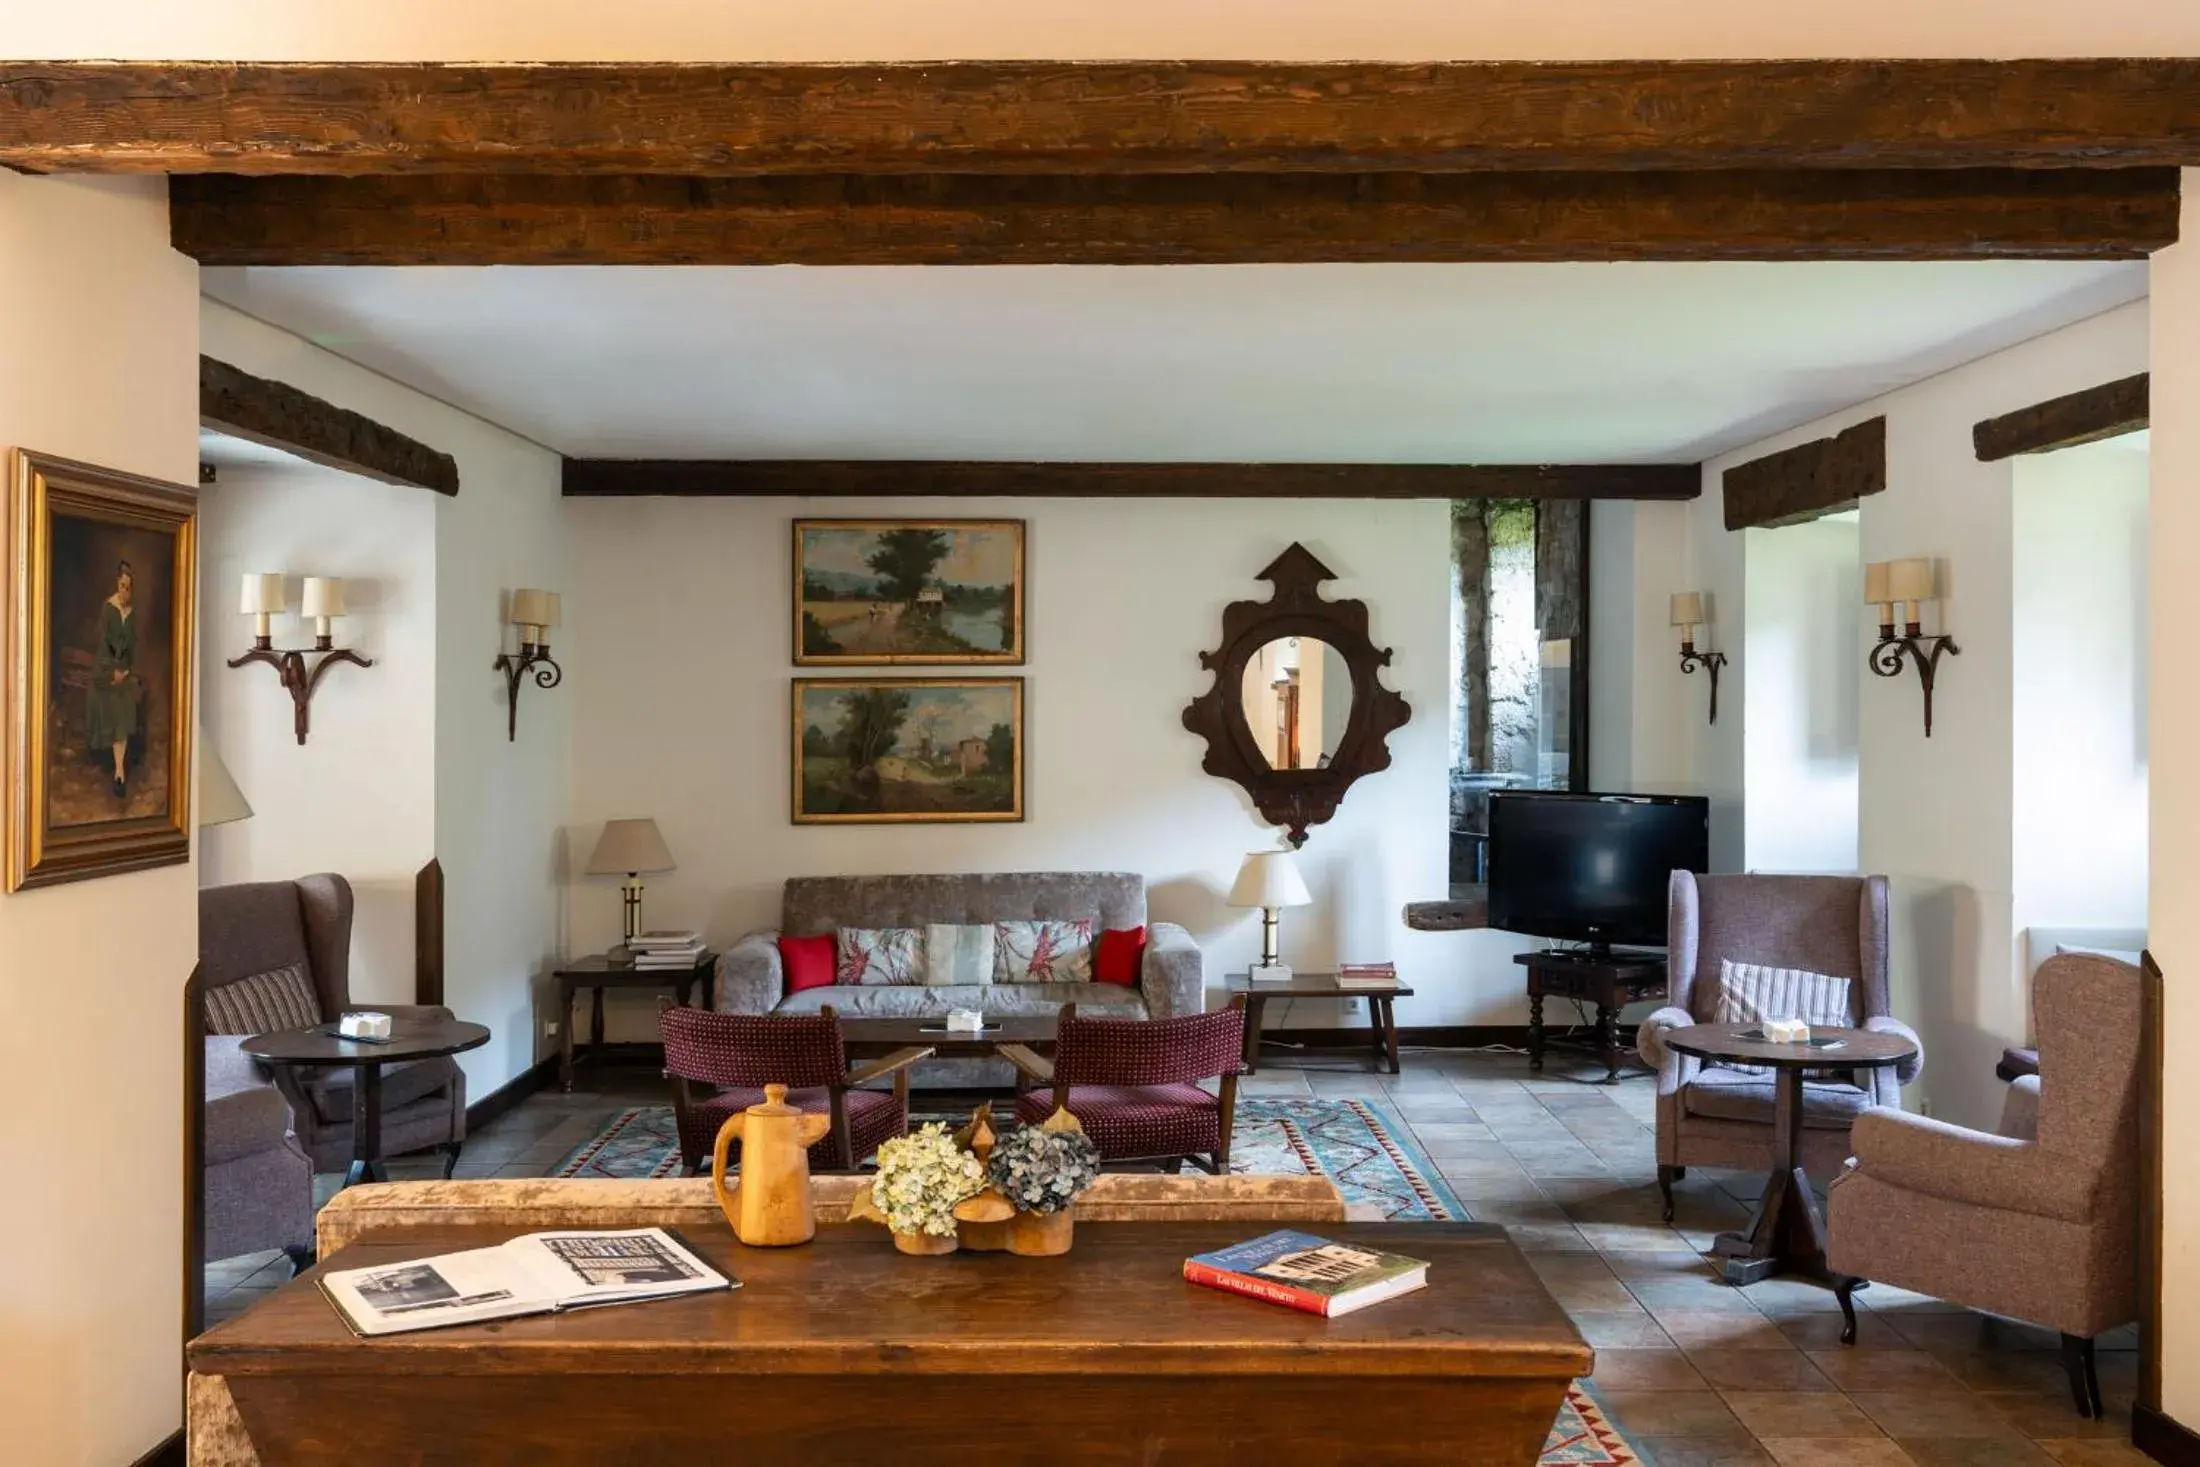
(1270, 880)
(1687, 609)
(1911, 581)
(261, 598)
(322, 601)
(628, 848)
(220, 801)
(534, 613)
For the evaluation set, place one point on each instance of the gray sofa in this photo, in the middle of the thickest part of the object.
(752, 981)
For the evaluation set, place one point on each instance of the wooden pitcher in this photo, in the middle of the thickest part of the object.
(769, 1206)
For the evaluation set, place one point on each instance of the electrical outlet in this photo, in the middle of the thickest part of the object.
(549, 1028)
(1352, 1008)
(1925, 1107)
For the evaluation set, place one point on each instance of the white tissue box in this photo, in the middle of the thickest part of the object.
(1787, 1031)
(364, 1026)
(965, 1021)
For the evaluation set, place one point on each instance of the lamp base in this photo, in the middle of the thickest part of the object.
(1269, 973)
(618, 955)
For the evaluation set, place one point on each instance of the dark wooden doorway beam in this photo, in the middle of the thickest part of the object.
(611, 478)
(235, 402)
(1095, 117)
(1812, 479)
(2105, 411)
(1175, 219)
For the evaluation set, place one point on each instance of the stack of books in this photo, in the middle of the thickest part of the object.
(668, 950)
(1367, 975)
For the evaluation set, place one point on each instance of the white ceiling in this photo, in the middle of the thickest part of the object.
(1342, 363)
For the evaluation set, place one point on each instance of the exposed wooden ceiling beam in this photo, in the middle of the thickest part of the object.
(1817, 478)
(910, 478)
(1175, 219)
(1095, 117)
(2064, 422)
(235, 402)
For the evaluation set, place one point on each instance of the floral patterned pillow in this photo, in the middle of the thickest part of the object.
(879, 956)
(1042, 952)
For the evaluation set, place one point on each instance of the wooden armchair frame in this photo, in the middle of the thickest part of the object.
(1034, 1069)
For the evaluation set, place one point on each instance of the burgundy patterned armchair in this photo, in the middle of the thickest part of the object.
(1133, 1084)
(737, 1055)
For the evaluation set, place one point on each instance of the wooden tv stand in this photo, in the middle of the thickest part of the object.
(1611, 982)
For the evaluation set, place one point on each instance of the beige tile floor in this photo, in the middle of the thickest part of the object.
(1702, 1375)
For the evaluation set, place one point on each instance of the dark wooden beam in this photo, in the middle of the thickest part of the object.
(602, 478)
(1095, 117)
(235, 402)
(1809, 480)
(2063, 422)
(1175, 219)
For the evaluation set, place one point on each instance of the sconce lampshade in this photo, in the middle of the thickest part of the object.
(1270, 879)
(324, 596)
(629, 846)
(1687, 609)
(1875, 584)
(1910, 580)
(220, 801)
(263, 593)
(535, 609)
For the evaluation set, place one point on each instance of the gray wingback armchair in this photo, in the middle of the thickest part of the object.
(1714, 1116)
(258, 1181)
(255, 929)
(2039, 1222)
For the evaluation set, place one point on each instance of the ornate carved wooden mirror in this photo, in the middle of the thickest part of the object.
(1298, 710)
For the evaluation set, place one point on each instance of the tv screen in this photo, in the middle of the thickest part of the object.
(1591, 868)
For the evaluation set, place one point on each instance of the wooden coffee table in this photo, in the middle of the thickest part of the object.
(1382, 1019)
(873, 1038)
(845, 1350)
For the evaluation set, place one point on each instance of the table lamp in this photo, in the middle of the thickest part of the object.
(220, 801)
(628, 848)
(1269, 880)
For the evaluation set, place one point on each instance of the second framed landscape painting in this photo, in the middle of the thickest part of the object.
(875, 750)
(873, 593)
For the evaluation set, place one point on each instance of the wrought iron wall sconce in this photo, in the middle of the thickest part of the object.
(323, 601)
(1911, 582)
(1688, 614)
(534, 613)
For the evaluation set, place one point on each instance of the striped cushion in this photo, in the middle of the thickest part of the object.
(958, 955)
(280, 999)
(1750, 993)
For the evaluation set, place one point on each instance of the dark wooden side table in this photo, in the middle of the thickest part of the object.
(1610, 982)
(1787, 1234)
(1382, 1020)
(597, 972)
(410, 1038)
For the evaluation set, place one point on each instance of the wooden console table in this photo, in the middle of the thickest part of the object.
(1611, 983)
(1382, 1013)
(844, 1349)
(598, 972)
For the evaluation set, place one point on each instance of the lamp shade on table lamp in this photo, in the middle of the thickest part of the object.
(628, 848)
(1269, 880)
(220, 801)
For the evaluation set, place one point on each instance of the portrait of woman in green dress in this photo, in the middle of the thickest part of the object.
(113, 702)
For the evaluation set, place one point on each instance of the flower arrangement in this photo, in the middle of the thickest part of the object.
(920, 1178)
(1041, 1170)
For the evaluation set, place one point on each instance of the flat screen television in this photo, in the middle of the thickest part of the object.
(1591, 868)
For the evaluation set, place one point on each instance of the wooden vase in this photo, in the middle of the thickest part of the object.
(1041, 1234)
(925, 1245)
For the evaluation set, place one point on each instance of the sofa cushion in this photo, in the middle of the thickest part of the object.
(958, 954)
(889, 956)
(1119, 956)
(1730, 1095)
(282, 998)
(1042, 952)
(1018, 1001)
(1750, 993)
(810, 962)
(402, 1084)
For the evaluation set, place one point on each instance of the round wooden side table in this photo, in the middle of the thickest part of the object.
(411, 1038)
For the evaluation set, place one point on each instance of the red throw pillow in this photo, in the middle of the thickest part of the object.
(809, 961)
(1121, 956)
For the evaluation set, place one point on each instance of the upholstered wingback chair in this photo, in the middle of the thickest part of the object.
(1709, 1115)
(2039, 1222)
(277, 955)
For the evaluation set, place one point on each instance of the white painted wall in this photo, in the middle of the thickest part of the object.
(498, 807)
(682, 652)
(2173, 711)
(2079, 841)
(359, 796)
(103, 320)
(1799, 723)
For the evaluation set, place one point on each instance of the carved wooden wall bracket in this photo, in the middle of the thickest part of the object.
(299, 680)
(1890, 652)
(1295, 798)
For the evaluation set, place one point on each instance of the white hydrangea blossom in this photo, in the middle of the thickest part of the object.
(920, 1179)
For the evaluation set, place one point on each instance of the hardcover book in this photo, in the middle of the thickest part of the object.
(1305, 1272)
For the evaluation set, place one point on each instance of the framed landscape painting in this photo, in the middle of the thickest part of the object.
(891, 750)
(878, 593)
(98, 695)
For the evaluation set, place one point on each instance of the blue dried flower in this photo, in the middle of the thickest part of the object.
(1043, 1171)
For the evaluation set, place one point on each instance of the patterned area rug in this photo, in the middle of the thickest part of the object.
(1583, 1436)
(640, 1144)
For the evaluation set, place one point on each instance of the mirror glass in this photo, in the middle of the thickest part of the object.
(1297, 699)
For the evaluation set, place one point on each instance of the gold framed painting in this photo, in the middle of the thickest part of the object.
(884, 593)
(100, 596)
(871, 751)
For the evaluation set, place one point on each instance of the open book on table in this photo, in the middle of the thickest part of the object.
(535, 1274)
